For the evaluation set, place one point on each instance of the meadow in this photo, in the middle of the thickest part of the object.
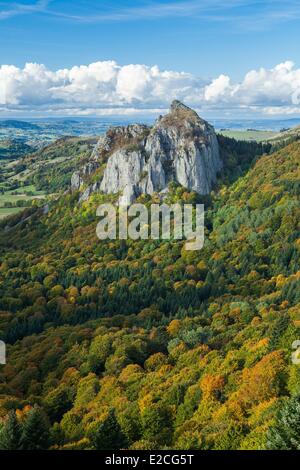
(252, 135)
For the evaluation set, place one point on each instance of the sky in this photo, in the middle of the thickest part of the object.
(225, 58)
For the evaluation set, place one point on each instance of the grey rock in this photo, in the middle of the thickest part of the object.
(76, 181)
(46, 209)
(180, 147)
(103, 144)
(84, 196)
(78, 177)
(89, 168)
(93, 188)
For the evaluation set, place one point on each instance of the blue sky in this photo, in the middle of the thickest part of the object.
(204, 38)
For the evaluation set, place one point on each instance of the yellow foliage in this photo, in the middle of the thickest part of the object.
(260, 411)
(262, 344)
(212, 386)
(145, 402)
(155, 361)
(261, 382)
(173, 327)
(130, 373)
(255, 321)
(202, 265)
(216, 256)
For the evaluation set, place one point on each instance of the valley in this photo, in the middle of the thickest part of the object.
(50, 151)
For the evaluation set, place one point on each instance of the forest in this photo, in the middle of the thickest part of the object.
(124, 344)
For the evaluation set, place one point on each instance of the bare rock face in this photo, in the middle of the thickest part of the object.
(180, 147)
(92, 188)
(78, 177)
(76, 181)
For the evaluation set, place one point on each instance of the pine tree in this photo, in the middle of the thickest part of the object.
(36, 434)
(277, 331)
(107, 434)
(10, 433)
(285, 435)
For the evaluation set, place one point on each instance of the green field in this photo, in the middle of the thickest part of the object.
(254, 135)
(6, 211)
(24, 194)
(48, 169)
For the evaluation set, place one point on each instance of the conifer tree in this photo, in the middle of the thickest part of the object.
(10, 433)
(107, 434)
(285, 435)
(35, 435)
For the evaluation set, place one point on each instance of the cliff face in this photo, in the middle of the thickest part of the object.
(180, 147)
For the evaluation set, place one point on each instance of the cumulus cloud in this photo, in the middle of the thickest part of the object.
(276, 87)
(106, 87)
(217, 89)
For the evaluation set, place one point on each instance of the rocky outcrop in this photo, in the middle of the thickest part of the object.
(78, 177)
(92, 188)
(180, 147)
(76, 181)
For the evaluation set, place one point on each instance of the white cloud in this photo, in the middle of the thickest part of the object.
(217, 88)
(285, 110)
(107, 88)
(14, 9)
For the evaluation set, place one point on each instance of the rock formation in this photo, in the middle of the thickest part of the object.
(180, 147)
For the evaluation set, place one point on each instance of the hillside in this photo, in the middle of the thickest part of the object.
(175, 349)
(14, 124)
(12, 149)
(41, 174)
(275, 138)
(285, 137)
(50, 168)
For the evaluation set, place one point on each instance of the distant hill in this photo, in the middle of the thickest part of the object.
(286, 136)
(13, 148)
(14, 124)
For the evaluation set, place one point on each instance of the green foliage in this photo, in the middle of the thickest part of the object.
(35, 433)
(157, 424)
(100, 350)
(285, 434)
(50, 168)
(106, 434)
(10, 433)
(238, 155)
(187, 350)
(58, 402)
